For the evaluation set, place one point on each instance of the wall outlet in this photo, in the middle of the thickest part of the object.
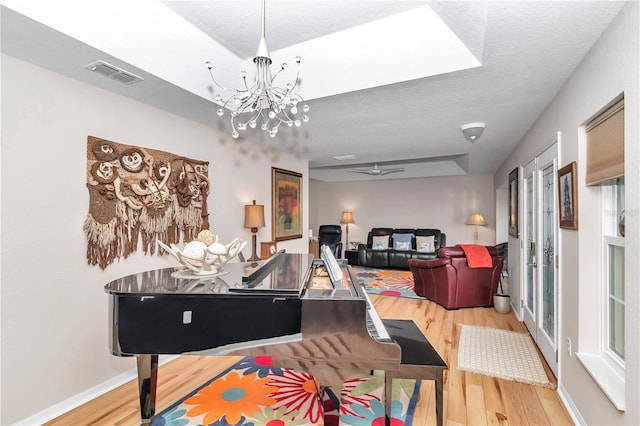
(569, 346)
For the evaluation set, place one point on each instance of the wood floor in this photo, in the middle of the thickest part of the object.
(469, 399)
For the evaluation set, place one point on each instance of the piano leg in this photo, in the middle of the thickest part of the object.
(147, 381)
(388, 397)
(439, 398)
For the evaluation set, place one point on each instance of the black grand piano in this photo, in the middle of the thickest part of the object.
(307, 314)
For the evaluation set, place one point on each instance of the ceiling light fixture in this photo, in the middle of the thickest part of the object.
(262, 102)
(472, 131)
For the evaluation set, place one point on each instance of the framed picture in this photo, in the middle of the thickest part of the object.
(513, 203)
(568, 197)
(286, 204)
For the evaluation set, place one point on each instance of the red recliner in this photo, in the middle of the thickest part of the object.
(449, 281)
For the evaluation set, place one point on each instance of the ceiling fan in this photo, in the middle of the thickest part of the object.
(375, 171)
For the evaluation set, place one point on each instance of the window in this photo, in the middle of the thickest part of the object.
(602, 325)
(613, 267)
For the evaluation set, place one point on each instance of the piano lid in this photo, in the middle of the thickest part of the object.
(284, 273)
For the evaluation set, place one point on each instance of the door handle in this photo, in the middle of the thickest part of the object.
(534, 264)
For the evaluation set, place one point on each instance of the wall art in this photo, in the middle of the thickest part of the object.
(568, 196)
(286, 204)
(138, 196)
(513, 203)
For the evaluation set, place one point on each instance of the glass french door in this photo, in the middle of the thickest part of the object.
(539, 257)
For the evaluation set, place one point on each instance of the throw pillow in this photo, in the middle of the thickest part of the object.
(403, 238)
(402, 241)
(425, 244)
(380, 242)
(398, 245)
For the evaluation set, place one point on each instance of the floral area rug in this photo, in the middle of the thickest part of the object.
(386, 282)
(254, 392)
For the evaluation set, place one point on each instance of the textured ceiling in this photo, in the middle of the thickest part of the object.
(236, 25)
(380, 101)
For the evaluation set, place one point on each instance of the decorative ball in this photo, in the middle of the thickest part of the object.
(195, 249)
(206, 236)
(217, 248)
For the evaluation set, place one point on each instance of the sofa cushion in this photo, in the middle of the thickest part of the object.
(380, 242)
(425, 244)
(374, 258)
(381, 231)
(398, 259)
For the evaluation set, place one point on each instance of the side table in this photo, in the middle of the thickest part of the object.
(313, 247)
(352, 257)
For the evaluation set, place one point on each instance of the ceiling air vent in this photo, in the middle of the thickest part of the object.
(113, 72)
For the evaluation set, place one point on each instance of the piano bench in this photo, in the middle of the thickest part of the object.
(419, 361)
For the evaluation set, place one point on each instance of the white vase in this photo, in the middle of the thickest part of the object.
(502, 303)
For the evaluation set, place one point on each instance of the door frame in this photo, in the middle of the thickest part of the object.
(528, 317)
(533, 320)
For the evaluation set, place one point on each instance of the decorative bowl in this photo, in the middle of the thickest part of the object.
(202, 260)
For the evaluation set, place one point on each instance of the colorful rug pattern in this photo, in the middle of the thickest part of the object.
(254, 392)
(386, 282)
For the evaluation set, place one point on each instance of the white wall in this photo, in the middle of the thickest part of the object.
(502, 214)
(54, 309)
(609, 69)
(443, 203)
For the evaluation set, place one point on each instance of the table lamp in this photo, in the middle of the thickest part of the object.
(254, 219)
(476, 219)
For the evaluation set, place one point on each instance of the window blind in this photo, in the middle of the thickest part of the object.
(605, 145)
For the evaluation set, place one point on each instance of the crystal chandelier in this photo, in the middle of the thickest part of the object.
(263, 103)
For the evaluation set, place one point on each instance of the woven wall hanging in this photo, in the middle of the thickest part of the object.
(139, 192)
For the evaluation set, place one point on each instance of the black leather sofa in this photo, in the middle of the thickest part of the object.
(396, 256)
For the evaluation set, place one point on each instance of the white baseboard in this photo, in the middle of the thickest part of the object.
(75, 401)
(570, 406)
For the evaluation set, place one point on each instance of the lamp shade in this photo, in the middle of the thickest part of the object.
(476, 219)
(253, 215)
(347, 217)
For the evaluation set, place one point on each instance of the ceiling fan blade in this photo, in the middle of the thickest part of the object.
(389, 171)
(375, 171)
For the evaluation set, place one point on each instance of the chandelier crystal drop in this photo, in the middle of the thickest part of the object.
(262, 104)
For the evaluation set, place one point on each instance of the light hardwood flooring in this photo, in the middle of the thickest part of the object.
(469, 399)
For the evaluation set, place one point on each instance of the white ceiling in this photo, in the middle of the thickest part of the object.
(390, 82)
